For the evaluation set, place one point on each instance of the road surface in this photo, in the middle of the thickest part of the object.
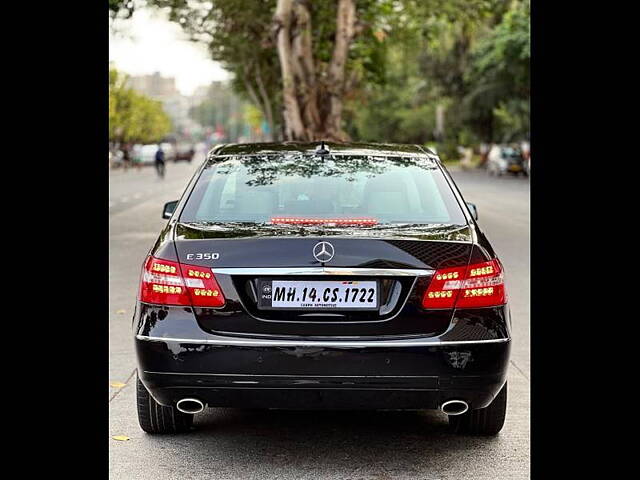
(230, 443)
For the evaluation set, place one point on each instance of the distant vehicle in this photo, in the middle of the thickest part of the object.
(146, 154)
(184, 152)
(169, 151)
(506, 159)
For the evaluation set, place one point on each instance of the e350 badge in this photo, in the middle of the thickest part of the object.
(203, 256)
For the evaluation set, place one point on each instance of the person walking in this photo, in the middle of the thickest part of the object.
(160, 161)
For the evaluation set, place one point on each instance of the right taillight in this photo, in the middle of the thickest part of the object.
(477, 285)
(166, 282)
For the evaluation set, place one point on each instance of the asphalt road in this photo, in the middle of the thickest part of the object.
(230, 443)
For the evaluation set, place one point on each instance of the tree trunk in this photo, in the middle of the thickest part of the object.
(305, 72)
(344, 35)
(266, 101)
(294, 128)
(312, 104)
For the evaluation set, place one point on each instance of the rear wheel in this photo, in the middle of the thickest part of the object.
(156, 418)
(483, 421)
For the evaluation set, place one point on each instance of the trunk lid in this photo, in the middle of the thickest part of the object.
(245, 258)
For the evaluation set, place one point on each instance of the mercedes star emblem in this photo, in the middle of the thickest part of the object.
(323, 251)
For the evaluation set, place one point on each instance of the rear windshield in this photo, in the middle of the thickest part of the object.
(267, 187)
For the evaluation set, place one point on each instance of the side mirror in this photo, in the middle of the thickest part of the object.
(169, 208)
(473, 209)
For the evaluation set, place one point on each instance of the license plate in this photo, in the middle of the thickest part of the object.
(515, 168)
(318, 295)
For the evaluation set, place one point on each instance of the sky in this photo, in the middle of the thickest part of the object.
(148, 42)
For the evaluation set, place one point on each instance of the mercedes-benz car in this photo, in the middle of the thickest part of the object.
(330, 276)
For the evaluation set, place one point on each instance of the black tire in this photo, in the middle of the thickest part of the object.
(483, 421)
(158, 419)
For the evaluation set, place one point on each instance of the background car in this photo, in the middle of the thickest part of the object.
(506, 159)
(169, 151)
(146, 154)
(184, 152)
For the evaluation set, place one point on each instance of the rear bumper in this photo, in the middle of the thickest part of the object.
(399, 374)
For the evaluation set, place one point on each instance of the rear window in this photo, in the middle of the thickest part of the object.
(261, 188)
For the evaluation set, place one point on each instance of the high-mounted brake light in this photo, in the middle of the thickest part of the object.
(170, 283)
(365, 221)
(477, 285)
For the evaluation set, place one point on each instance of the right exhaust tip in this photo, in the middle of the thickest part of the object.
(454, 407)
(190, 405)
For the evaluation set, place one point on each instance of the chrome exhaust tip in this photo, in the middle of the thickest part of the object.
(454, 407)
(190, 405)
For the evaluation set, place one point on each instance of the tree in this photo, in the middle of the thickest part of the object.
(296, 60)
(134, 118)
(312, 103)
(428, 54)
(500, 74)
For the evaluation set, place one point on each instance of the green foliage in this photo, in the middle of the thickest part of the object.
(134, 118)
(252, 116)
(512, 119)
(472, 57)
(500, 73)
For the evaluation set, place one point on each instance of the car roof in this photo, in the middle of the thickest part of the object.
(351, 148)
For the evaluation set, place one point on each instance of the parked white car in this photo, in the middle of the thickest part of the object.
(146, 154)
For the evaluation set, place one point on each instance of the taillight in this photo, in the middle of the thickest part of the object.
(440, 294)
(483, 287)
(170, 283)
(201, 284)
(162, 283)
(477, 285)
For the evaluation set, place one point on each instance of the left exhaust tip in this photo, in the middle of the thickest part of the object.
(455, 407)
(190, 405)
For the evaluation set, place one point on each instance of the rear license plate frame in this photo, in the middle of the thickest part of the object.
(264, 298)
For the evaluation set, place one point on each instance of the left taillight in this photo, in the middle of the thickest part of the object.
(166, 282)
(477, 285)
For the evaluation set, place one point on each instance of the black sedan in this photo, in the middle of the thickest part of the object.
(306, 276)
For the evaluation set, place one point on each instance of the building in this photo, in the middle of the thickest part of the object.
(174, 103)
(154, 85)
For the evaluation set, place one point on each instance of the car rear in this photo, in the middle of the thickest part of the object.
(341, 280)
